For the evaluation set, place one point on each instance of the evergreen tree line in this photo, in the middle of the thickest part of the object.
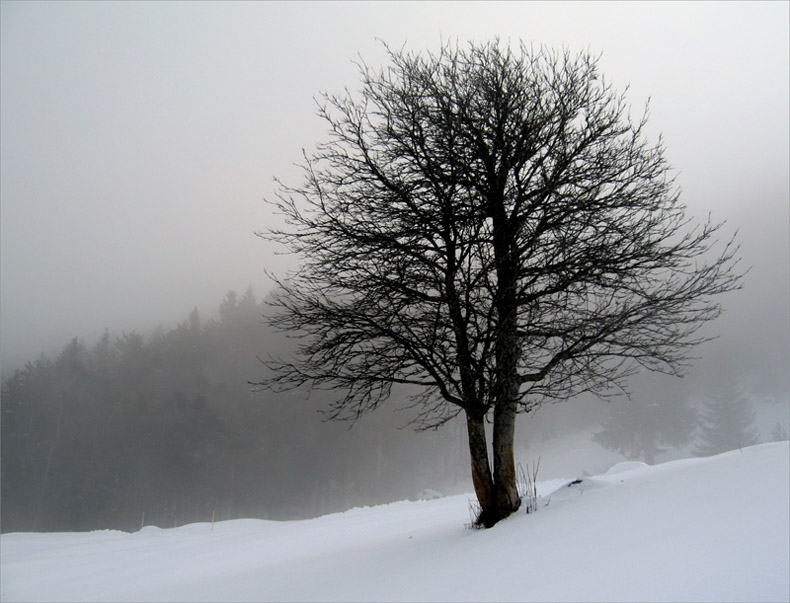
(168, 426)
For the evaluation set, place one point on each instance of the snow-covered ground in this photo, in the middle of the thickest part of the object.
(711, 529)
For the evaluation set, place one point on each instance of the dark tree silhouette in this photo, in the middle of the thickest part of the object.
(644, 427)
(778, 433)
(489, 226)
(166, 424)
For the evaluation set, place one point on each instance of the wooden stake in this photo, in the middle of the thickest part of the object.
(212, 519)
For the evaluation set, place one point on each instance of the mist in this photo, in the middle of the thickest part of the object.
(138, 142)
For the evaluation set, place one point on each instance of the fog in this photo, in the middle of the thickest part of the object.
(140, 139)
(138, 142)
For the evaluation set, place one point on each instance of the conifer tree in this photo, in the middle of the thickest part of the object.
(644, 428)
(727, 423)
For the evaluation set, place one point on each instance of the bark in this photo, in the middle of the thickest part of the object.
(481, 470)
(496, 491)
(506, 491)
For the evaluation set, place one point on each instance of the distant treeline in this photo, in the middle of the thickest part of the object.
(167, 425)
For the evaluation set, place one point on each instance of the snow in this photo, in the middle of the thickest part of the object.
(705, 529)
(626, 466)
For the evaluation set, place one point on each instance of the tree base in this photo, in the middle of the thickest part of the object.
(488, 518)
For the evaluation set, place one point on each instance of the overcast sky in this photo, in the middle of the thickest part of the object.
(138, 140)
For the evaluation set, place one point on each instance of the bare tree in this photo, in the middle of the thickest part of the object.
(492, 227)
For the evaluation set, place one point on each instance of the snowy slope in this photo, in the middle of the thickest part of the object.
(712, 529)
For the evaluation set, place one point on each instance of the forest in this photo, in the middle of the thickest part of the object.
(168, 425)
(166, 430)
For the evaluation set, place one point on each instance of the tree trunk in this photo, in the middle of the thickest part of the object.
(507, 498)
(481, 471)
(507, 383)
(506, 491)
